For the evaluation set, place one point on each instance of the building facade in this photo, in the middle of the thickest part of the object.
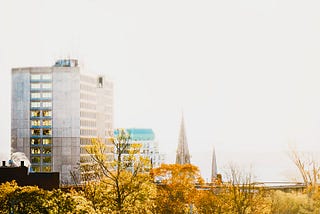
(149, 146)
(56, 111)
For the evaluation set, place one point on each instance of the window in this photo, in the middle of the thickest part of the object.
(46, 123)
(35, 168)
(46, 76)
(46, 150)
(35, 95)
(35, 132)
(46, 168)
(46, 113)
(46, 85)
(47, 95)
(35, 86)
(35, 150)
(35, 76)
(35, 159)
(35, 122)
(35, 141)
(35, 113)
(46, 104)
(100, 82)
(46, 160)
(46, 141)
(46, 131)
(35, 104)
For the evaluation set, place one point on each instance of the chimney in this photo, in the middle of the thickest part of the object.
(22, 163)
(3, 163)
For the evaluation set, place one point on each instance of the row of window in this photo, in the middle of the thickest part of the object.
(88, 114)
(43, 113)
(87, 88)
(40, 150)
(38, 141)
(87, 132)
(38, 160)
(37, 132)
(88, 106)
(85, 141)
(41, 122)
(88, 123)
(41, 76)
(90, 97)
(41, 86)
(38, 104)
(38, 95)
(41, 169)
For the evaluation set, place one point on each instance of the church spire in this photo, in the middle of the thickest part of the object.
(183, 156)
(214, 166)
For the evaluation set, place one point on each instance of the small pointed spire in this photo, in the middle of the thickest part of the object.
(183, 156)
(214, 171)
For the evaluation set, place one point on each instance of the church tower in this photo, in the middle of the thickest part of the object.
(183, 156)
(214, 167)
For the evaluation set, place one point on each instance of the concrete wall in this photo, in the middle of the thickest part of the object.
(65, 120)
(20, 111)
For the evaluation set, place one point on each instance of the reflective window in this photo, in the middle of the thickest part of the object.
(35, 122)
(46, 150)
(35, 113)
(35, 159)
(46, 76)
(35, 95)
(46, 85)
(46, 123)
(46, 131)
(47, 95)
(35, 76)
(35, 104)
(46, 141)
(35, 141)
(46, 168)
(46, 104)
(35, 86)
(35, 150)
(46, 113)
(35, 168)
(35, 131)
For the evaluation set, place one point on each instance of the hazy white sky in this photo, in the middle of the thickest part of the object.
(246, 73)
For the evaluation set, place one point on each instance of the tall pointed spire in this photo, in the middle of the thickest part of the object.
(214, 171)
(183, 156)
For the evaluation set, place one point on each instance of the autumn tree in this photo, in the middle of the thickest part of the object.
(209, 200)
(309, 169)
(240, 195)
(31, 199)
(123, 184)
(176, 187)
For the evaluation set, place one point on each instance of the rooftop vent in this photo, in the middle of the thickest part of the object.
(66, 63)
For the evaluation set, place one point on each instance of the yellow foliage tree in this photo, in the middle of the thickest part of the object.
(176, 187)
(122, 185)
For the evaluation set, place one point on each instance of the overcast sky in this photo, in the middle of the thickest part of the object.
(245, 73)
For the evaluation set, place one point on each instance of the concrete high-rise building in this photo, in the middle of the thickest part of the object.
(182, 156)
(56, 111)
